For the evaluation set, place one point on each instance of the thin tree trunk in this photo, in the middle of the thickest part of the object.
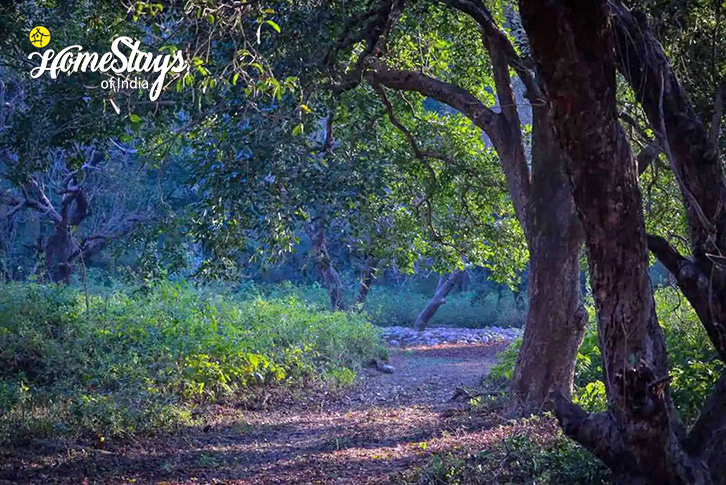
(444, 287)
(366, 281)
(557, 319)
(329, 276)
(640, 437)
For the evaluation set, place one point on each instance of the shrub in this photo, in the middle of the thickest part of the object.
(695, 367)
(135, 362)
(537, 453)
(386, 306)
(694, 363)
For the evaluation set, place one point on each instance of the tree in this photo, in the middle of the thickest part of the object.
(71, 203)
(640, 438)
(54, 137)
(544, 208)
(446, 284)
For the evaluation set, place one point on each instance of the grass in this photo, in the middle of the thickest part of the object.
(388, 306)
(138, 362)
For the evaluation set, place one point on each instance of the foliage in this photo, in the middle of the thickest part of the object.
(506, 359)
(388, 305)
(537, 454)
(138, 361)
(695, 367)
(466, 309)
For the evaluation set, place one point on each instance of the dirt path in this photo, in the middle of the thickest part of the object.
(387, 423)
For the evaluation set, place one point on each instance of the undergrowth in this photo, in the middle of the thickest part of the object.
(694, 365)
(536, 453)
(386, 306)
(133, 362)
(547, 456)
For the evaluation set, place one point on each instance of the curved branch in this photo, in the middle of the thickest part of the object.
(374, 33)
(497, 38)
(695, 286)
(498, 129)
(596, 432)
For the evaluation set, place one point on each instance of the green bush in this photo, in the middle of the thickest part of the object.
(386, 306)
(538, 453)
(134, 362)
(695, 367)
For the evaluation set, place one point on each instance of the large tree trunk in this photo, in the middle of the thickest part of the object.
(555, 307)
(557, 319)
(446, 283)
(694, 158)
(640, 437)
(58, 252)
(329, 276)
(696, 164)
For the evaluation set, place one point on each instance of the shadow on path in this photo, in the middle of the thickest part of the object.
(386, 423)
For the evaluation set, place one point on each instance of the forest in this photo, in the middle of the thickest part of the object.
(363, 242)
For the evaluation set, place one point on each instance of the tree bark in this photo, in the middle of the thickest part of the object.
(696, 164)
(557, 319)
(58, 250)
(640, 437)
(329, 276)
(368, 276)
(544, 363)
(442, 290)
(693, 154)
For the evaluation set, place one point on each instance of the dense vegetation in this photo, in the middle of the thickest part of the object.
(118, 364)
(694, 365)
(312, 171)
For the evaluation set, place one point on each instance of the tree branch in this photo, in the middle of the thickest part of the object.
(711, 422)
(647, 155)
(447, 93)
(641, 60)
(500, 131)
(43, 205)
(717, 114)
(695, 286)
(596, 432)
(374, 33)
(94, 244)
(497, 39)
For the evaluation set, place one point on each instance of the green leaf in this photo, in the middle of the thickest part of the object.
(274, 25)
(298, 130)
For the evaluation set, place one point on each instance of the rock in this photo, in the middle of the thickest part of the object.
(386, 368)
(406, 336)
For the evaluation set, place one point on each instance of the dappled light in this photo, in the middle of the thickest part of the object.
(431, 242)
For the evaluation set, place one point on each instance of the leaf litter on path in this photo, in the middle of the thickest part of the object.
(384, 424)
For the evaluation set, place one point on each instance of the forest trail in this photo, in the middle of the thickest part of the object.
(385, 424)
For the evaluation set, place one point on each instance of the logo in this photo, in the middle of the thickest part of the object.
(126, 65)
(39, 36)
